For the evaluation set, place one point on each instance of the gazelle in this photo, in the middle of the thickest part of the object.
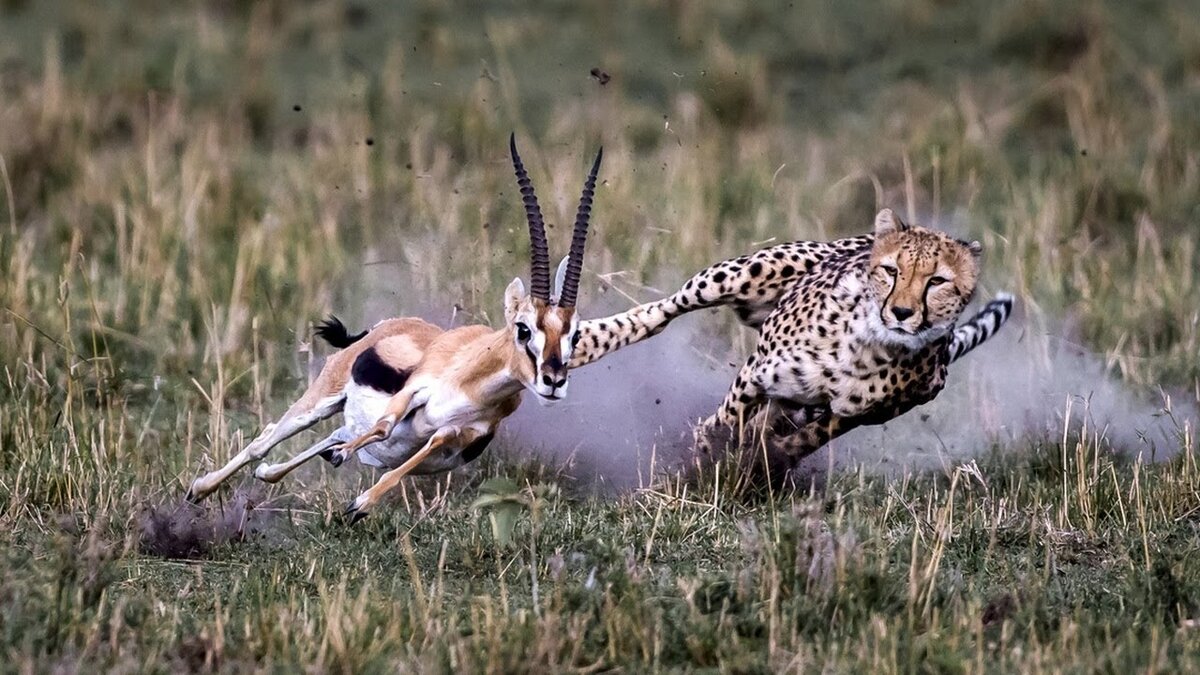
(417, 399)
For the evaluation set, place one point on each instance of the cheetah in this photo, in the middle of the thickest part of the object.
(852, 332)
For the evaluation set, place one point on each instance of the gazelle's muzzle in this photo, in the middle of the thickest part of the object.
(550, 381)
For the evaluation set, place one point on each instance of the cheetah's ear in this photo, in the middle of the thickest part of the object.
(886, 222)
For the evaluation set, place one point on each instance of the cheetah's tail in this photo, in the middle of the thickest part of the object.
(982, 326)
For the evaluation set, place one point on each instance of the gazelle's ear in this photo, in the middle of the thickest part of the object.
(513, 295)
(560, 276)
(886, 222)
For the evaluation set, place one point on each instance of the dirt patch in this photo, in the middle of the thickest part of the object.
(183, 531)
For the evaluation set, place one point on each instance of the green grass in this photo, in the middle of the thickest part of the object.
(170, 225)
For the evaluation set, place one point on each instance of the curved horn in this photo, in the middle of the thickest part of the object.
(539, 267)
(570, 289)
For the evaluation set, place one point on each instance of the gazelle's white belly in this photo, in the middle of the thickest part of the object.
(365, 405)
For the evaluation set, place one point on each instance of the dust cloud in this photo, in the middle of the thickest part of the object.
(189, 531)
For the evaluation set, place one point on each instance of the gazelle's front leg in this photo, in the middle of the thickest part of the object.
(397, 408)
(302, 415)
(359, 508)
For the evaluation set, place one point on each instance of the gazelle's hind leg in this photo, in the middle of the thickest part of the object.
(303, 414)
(358, 509)
(273, 473)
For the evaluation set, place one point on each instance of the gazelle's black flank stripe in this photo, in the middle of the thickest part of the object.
(980, 327)
(369, 370)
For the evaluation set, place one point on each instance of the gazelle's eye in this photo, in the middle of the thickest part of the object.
(523, 333)
(937, 281)
(575, 340)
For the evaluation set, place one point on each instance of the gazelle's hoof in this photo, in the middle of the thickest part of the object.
(327, 455)
(337, 458)
(194, 496)
(263, 473)
(354, 512)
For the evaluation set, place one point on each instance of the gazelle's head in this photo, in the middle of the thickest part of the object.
(543, 325)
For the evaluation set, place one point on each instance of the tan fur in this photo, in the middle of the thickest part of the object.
(468, 357)
(859, 339)
(486, 366)
(399, 342)
(819, 352)
(323, 398)
(404, 352)
(554, 324)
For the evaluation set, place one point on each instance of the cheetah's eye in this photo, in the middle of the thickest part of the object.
(937, 281)
(890, 269)
(523, 333)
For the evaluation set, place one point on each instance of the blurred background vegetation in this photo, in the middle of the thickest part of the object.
(238, 163)
(185, 186)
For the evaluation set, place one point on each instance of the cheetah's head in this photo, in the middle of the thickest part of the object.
(922, 280)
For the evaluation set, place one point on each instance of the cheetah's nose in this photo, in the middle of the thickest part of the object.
(901, 313)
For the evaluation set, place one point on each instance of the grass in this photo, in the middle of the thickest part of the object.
(183, 189)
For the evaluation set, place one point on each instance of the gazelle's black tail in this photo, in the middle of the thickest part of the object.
(333, 331)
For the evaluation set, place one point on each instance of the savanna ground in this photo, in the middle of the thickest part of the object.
(186, 186)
